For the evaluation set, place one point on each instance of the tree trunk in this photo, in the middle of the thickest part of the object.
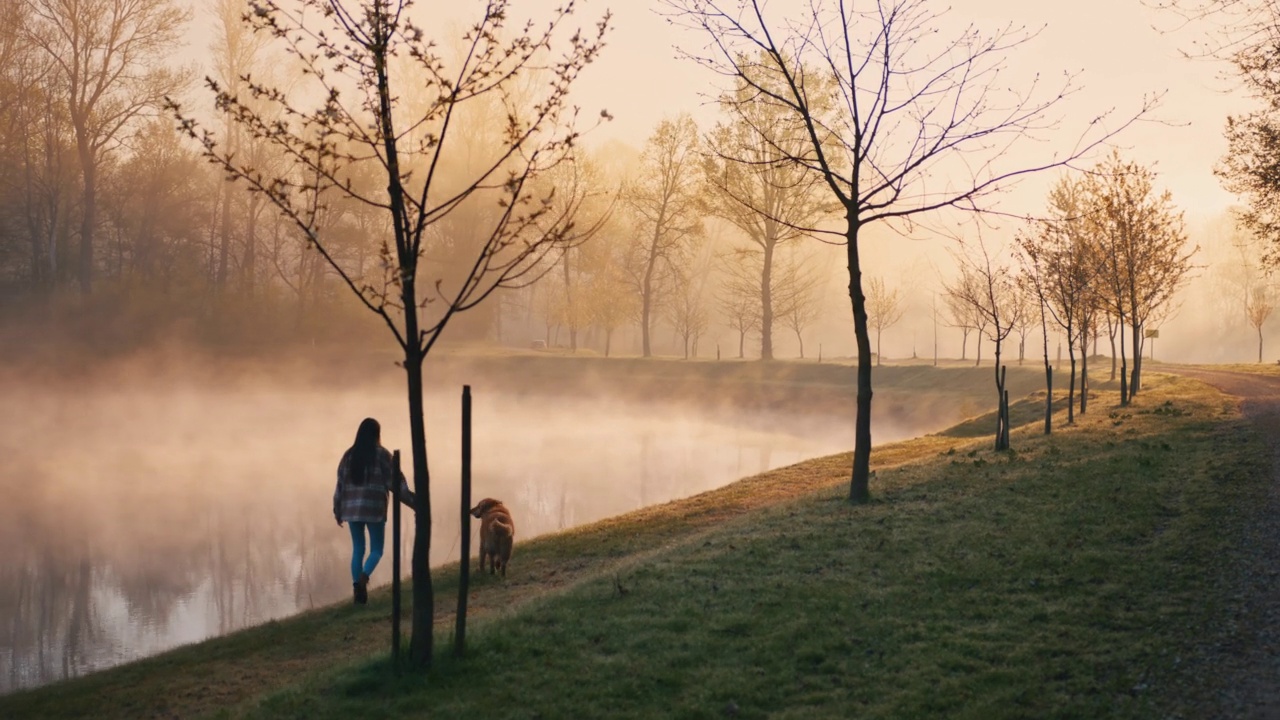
(212, 231)
(1048, 372)
(646, 288)
(421, 641)
(742, 344)
(224, 240)
(1111, 331)
(1000, 420)
(568, 304)
(88, 166)
(859, 491)
(964, 344)
(978, 362)
(1084, 380)
(1259, 343)
(422, 638)
(251, 247)
(800, 340)
(766, 303)
(1135, 380)
(37, 247)
(1048, 405)
(1071, 393)
(877, 347)
(1124, 366)
(1003, 439)
(646, 296)
(34, 232)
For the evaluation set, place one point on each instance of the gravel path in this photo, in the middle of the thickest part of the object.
(1239, 665)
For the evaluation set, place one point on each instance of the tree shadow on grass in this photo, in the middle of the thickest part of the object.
(1023, 412)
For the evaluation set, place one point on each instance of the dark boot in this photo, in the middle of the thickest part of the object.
(362, 590)
(355, 591)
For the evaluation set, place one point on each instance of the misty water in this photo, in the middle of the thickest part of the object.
(155, 509)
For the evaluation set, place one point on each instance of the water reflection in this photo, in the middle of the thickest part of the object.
(146, 517)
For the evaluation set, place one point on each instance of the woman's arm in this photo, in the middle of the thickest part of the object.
(337, 491)
(406, 495)
(398, 486)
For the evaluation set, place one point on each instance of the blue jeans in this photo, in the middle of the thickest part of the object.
(377, 535)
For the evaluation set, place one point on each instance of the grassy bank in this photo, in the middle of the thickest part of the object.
(1063, 579)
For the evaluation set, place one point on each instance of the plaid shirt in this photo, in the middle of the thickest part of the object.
(367, 502)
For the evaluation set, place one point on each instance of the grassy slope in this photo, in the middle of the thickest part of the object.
(1061, 580)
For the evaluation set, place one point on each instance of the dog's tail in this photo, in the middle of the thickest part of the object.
(503, 528)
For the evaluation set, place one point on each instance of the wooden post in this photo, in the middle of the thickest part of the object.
(1002, 409)
(999, 411)
(1005, 405)
(1048, 405)
(395, 561)
(464, 564)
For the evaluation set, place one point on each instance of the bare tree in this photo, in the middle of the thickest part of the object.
(354, 47)
(687, 310)
(884, 309)
(154, 199)
(1142, 251)
(1058, 255)
(1259, 304)
(1250, 281)
(1034, 284)
(34, 142)
(610, 301)
(113, 58)
(961, 317)
(1024, 319)
(737, 295)
(666, 200)
(799, 300)
(935, 313)
(747, 168)
(909, 103)
(991, 292)
(575, 191)
(237, 53)
(1245, 33)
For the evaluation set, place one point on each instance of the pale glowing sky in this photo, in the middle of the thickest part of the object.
(1114, 42)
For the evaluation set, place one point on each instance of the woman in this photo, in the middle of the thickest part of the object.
(360, 499)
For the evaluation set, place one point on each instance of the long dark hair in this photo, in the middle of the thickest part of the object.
(364, 451)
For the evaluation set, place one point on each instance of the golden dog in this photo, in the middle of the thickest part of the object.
(497, 533)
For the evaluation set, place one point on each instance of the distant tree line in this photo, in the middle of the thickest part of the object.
(106, 211)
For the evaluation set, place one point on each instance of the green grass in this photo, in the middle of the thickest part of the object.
(1061, 579)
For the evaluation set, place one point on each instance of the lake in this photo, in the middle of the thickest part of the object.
(159, 506)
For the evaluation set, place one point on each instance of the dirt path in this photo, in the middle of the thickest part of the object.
(1241, 668)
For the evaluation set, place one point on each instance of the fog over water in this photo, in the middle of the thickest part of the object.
(156, 508)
